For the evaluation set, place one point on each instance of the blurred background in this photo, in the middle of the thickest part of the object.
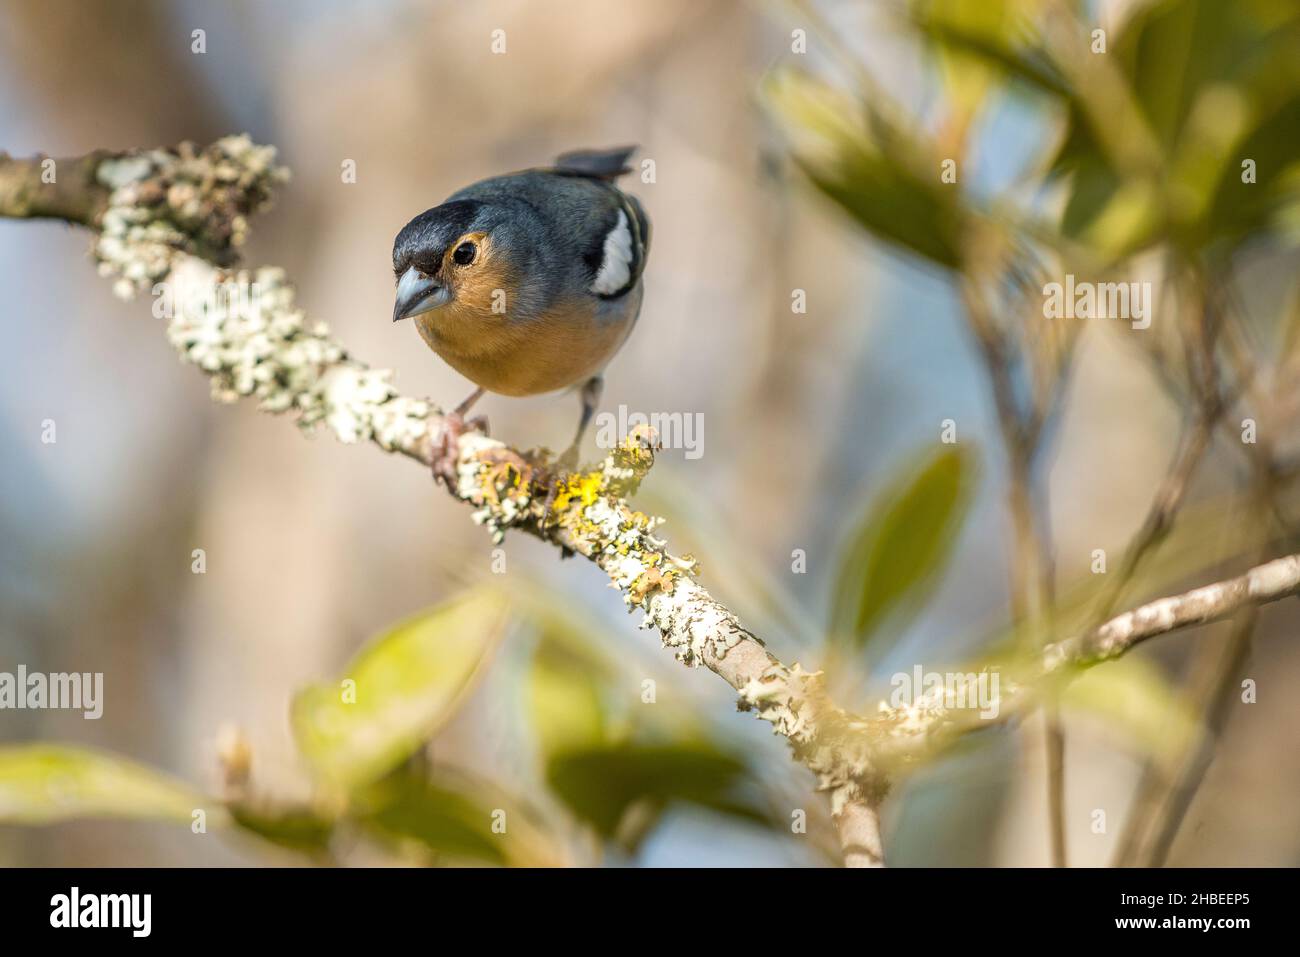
(818, 423)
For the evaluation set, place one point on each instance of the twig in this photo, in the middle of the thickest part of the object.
(905, 734)
(1160, 801)
(1030, 570)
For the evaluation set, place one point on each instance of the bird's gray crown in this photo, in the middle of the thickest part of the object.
(424, 240)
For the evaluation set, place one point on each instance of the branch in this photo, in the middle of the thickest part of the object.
(905, 733)
(171, 221)
(75, 195)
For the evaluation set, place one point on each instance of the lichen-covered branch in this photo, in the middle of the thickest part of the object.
(170, 222)
(903, 734)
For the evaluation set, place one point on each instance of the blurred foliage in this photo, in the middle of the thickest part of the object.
(398, 691)
(880, 174)
(900, 543)
(1208, 537)
(408, 807)
(1215, 83)
(42, 784)
(1157, 127)
(615, 768)
(613, 785)
(1134, 699)
(294, 827)
(1154, 130)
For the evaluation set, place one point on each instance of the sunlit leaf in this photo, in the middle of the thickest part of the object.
(1217, 84)
(901, 542)
(1238, 208)
(1132, 697)
(883, 177)
(43, 783)
(565, 699)
(398, 691)
(978, 42)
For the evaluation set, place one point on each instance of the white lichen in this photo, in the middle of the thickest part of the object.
(242, 329)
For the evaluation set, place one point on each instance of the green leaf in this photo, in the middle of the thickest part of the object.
(407, 808)
(602, 784)
(1132, 696)
(997, 35)
(296, 827)
(611, 761)
(884, 178)
(1237, 209)
(42, 784)
(564, 693)
(398, 691)
(1215, 83)
(901, 542)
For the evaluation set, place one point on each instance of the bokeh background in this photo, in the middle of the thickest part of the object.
(314, 547)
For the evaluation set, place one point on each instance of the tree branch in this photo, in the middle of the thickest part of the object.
(906, 733)
(170, 221)
(75, 195)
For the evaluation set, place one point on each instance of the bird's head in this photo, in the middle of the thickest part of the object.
(457, 253)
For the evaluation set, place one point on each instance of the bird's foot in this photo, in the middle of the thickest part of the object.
(446, 448)
(558, 477)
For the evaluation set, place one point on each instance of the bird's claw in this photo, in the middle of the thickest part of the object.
(446, 448)
(565, 466)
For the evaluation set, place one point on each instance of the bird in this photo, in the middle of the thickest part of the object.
(527, 283)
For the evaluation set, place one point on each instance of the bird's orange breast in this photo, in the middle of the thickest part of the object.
(519, 357)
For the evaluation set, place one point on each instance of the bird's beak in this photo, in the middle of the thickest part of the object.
(417, 294)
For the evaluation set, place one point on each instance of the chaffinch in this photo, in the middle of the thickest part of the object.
(528, 282)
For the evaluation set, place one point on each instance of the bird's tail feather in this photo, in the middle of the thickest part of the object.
(608, 164)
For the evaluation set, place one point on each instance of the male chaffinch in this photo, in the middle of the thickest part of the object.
(528, 282)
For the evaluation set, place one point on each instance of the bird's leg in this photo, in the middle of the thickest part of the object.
(447, 446)
(469, 402)
(590, 395)
(568, 461)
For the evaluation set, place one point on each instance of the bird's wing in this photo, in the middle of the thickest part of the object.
(618, 241)
(617, 251)
(594, 226)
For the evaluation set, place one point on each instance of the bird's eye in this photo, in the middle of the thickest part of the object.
(464, 254)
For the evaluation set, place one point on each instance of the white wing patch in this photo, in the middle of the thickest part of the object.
(616, 266)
